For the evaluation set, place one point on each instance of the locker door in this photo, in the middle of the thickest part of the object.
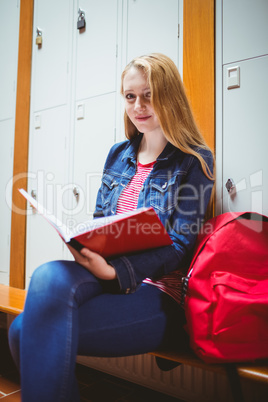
(94, 136)
(245, 33)
(47, 178)
(152, 27)
(245, 137)
(6, 158)
(95, 113)
(96, 49)
(149, 26)
(51, 61)
(50, 127)
(9, 34)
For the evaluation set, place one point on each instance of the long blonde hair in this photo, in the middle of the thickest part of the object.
(170, 104)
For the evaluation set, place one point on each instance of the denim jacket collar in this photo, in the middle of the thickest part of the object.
(132, 150)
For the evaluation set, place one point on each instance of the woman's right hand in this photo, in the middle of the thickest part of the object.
(94, 263)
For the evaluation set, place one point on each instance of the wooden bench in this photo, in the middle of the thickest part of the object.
(257, 372)
(12, 302)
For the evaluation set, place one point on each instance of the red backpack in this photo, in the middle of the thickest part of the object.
(226, 302)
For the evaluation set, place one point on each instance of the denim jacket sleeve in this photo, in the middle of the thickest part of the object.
(132, 269)
(183, 224)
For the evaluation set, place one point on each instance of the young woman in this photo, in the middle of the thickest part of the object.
(126, 305)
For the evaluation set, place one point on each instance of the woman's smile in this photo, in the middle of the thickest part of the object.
(142, 118)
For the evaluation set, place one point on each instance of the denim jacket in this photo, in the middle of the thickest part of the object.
(179, 192)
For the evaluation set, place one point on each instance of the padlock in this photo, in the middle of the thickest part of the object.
(39, 37)
(38, 40)
(81, 23)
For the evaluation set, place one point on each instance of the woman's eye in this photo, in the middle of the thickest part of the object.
(148, 95)
(129, 96)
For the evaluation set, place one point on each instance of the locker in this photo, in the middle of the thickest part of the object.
(51, 67)
(245, 137)
(47, 177)
(152, 27)
(94, 136)
(245, 33)
(77, 113)
(6, 158)
(9, 34)
(9, 30)
(96, 49)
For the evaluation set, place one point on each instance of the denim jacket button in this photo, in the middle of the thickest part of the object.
(164, 186)
(142, 187)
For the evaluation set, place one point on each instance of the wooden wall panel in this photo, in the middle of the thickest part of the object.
(199, 63)
(18, 220)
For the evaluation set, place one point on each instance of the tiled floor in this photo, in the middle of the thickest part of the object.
(94, 385)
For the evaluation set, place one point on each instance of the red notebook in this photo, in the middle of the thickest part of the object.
(111, 236)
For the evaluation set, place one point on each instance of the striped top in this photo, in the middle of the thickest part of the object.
(128, 200)
(171, 284)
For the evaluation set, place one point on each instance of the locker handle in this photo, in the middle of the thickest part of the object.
(76, 193)
(230, 185)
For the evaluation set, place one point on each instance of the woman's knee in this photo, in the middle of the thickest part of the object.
(62, 280)
(53, 276)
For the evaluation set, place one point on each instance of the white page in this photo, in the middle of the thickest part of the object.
(55, 222)
(66, 233)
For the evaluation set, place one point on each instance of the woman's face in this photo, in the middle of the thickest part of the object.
(137, 95)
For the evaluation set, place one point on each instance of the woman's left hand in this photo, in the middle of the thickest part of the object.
(94, 263)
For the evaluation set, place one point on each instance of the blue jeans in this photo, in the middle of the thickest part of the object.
(68, 312)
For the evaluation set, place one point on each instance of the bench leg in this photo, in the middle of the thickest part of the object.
(234, 382)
